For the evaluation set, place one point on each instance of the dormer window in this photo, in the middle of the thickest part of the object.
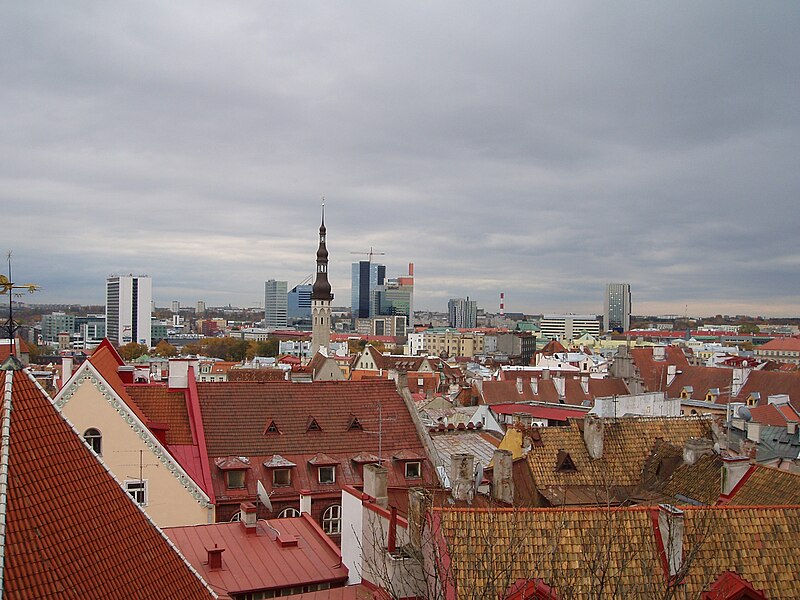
(281, 477)
(234, 479)
(564, 463)
(413, 470)
(313, 425)
(354, 423)
(235, 469)
(327, 474)
(271, 428)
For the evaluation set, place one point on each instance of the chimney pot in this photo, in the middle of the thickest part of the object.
(215, 557)
(670, 527)
(593, 432)
(376, 478)
(502, 476)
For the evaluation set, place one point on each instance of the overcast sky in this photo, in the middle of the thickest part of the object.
(537, 149)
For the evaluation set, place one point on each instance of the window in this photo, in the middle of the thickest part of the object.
(281, 477)
(94, 440)
(313, 425)
(234, 479)
(138, 491)
(413, 470)
(327, 474)
(288, 512)
(332, 520)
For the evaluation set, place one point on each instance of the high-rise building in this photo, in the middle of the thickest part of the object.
(128, 301)
(298, 302)
(463, 313)
(321, 297)
(365, 279)
(176, 306)
(201, 308)
(56, 323)
(275, 303)
(396, 298)
(617, 307)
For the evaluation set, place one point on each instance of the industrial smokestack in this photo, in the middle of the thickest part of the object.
(502, 304)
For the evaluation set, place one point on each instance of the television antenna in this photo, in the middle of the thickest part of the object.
(7, 286)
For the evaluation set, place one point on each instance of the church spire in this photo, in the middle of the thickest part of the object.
(322, 288)
(321, 297)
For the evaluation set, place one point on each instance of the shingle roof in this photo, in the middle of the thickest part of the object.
(627, 444)
(616, 552)
(70, 528)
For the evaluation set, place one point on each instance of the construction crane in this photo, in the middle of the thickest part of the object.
(371, 253)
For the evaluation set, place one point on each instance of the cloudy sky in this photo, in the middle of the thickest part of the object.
(537, 149)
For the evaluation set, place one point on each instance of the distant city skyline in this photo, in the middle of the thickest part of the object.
(541, 150)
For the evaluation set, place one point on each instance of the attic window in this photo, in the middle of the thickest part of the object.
(354, 423)
(564, 463)
(271, 428)
(313, 425)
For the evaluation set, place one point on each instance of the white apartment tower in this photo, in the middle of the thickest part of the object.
(128, 302)
(275, 303)
(617, 307)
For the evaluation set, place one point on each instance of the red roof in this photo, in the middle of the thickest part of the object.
(236, 416)
(539, 412)
(789, 344)
(654, 372)
(281, 553)
(70, 528)
(768, 414)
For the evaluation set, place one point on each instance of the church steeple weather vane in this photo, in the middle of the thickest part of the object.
(7, 286)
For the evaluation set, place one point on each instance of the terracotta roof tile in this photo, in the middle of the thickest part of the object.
(768, 486)
(70, 528)
(163, 405)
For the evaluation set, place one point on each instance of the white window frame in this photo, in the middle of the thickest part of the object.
(137, 489)
(288, 513)
(419, 469)
(332, 520)
(333, 474)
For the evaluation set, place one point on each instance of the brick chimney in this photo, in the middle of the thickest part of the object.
(462, 476)
(733, 469)
(215, 557)
(376, 484)
(670, 527)
(503, 479)
(593, 432)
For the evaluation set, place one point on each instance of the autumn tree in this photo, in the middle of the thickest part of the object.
(165, 349)
(132, 351)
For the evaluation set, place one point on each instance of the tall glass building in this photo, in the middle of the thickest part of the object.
(617, 308)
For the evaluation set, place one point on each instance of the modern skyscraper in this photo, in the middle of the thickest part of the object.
(298, 302)
(321, 297)
(396, 297)
(463, 313)
(366, 277)
(617, 308)
(275, 303)
(128, 301)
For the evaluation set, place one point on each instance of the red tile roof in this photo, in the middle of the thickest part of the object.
(789, 344)
(539, 412)
(262, 560)
(165, 406)
(654, 372)
(769, 383)
(768, 414)
(70, 528)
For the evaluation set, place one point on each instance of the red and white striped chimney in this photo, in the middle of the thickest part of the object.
(502, 304)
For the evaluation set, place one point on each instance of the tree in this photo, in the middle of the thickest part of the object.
(749, 328)
(165, 349)
(132, 351)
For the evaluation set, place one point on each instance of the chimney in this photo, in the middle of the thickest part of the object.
(375, 484)
(418, 504)
(672, 371)
(545, 374)
(462, 476)
(519, 385)
(535, 385)
(178, 374)
(247, 512)
(670, 527)
(502, 479)
(738, 380)
(695, 448)
(778, 399)
(733, 469)
(593, 430)
(791, 427)
(66, 369)
(754, 431)
(215, 557)
(585, 384)
(305, 501)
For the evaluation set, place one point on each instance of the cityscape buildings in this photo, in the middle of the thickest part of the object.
(275, 303)
(617, 307)
(365, 279)
(128, 302)
(568, 327)
(298, 302)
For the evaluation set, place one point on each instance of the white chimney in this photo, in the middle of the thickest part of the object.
(247, 515)
(305, 501)
(462, 476)
(178, 374)
(778, 399)
(672, 370)
(670, 526)
(733, 469)
(593, 431)
(502, 476)
(375, 484)
(66, 369)
(754, 431)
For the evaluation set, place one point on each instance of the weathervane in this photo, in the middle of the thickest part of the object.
(7, 287)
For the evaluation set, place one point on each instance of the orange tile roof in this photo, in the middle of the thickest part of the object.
(70, 528)
(768, 414)
(609, 553)
(166, 406)
(699, 482)
(766, 486)
(790, 344)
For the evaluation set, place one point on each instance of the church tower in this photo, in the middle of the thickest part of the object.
(321, 297)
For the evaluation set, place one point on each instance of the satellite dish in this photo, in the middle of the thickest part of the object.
(263, 496)
(744, 413)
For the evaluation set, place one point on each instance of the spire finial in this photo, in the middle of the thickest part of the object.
(323, 210)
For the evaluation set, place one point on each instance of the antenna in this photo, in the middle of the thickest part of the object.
(8, 287)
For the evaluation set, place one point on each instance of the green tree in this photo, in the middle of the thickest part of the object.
(749, 328)
(132, 351)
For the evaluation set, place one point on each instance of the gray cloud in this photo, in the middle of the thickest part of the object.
(538, 150)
